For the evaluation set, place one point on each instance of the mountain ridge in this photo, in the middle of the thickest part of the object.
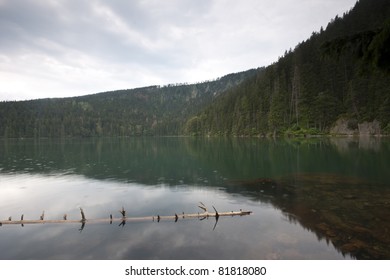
(150, 110)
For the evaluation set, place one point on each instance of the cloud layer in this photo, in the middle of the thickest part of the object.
(60, 48)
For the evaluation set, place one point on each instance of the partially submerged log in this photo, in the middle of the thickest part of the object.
(122, 220)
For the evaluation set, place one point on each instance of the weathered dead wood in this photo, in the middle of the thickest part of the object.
(125, 219)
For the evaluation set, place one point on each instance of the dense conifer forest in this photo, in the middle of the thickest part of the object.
(341, 72)
(152, 110)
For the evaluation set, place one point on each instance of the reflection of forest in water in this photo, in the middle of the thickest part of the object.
(335, 187)
(352, 214)
(348, 203)
(176, 161)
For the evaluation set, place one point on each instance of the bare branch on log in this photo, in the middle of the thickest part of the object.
(216, 212)
(82, 215)
(123, 212)
(202, 206)
(42, 217)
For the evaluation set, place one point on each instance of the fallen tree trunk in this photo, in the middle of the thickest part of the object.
(125, 219)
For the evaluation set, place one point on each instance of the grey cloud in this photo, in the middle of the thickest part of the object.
(160, 41)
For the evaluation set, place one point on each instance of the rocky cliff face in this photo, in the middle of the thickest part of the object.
(369, 128)
(344, 126)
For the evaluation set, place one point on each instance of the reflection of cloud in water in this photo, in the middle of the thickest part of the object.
(260, 236)
(30, 194)
(166, 240)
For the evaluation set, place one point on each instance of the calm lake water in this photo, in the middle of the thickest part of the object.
(326, 198)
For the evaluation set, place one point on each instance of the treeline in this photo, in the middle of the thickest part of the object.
(342, 71)
(150, 110)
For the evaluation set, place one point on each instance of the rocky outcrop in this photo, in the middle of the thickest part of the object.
(369, 128)
(344, 126)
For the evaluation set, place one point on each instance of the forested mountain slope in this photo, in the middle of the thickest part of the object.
(341, 73)
(339, 77)
(150, 110)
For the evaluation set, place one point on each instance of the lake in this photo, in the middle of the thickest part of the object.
(315, 198)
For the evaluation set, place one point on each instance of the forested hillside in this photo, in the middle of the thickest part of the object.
(150, 110)
(340, 75)
(341, 72)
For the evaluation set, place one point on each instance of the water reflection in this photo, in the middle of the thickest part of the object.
(194, 161)
(351, 214)
(260, 236)
(334, 188)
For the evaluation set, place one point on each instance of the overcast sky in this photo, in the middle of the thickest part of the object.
(58, 48)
